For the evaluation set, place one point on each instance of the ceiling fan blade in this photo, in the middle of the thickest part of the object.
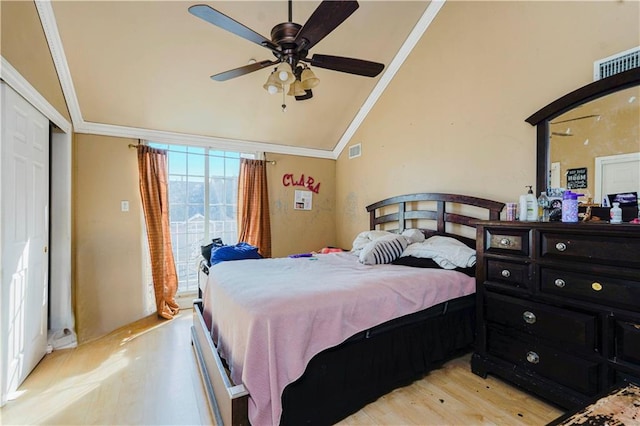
(348, 65)
(246, 69)
(221, 20)
(308, 95)
(327, 16)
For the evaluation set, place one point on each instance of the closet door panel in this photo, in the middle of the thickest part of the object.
(24, 238)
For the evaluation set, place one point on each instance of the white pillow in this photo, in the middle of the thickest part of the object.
(385, 249)
(366, 237)
(413, 235)
(447, 252)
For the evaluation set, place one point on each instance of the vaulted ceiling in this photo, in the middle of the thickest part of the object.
(144, 67)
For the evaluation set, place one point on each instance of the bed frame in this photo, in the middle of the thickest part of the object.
(312, 399)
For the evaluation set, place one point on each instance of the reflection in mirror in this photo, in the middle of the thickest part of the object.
(594, 148)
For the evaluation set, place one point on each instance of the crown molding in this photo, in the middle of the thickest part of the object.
(196, 140)
(425, 21)
(13, 78)
(50, 27)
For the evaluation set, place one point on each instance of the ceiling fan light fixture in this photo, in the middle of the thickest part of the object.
(285, 73)
(273, 84)
(296, 89)
(308, 79)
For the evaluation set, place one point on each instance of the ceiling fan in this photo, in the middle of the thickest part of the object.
(290, 44)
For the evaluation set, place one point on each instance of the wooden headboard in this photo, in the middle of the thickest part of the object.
(448, 208)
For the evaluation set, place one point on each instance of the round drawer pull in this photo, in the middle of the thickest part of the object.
(529, 317)
(506, 273)
(561, 246)
(505, 242)
(596, 286)
(533, 357)
(559, 282)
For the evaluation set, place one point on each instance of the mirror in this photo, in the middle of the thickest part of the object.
(584, 136)
(593, 141)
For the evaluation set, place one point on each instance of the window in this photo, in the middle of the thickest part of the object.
(203, 194)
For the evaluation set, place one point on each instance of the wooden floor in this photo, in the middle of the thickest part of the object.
(145, 374)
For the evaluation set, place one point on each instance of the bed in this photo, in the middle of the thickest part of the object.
(339, 334)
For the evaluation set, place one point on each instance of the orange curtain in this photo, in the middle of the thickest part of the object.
(254, 223)
(152, 167)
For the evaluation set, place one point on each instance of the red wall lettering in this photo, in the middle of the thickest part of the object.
(289, 180)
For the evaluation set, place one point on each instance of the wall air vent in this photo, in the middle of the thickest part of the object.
(355, 151)
(617, 63)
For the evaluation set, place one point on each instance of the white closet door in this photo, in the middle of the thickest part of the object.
(24, 238)
(617, 174)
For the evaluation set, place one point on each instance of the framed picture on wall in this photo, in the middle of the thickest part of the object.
(577, 178)
(302, 200)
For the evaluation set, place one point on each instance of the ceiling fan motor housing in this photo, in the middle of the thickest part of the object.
(284, 35)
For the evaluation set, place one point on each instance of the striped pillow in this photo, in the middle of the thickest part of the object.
(383, 250)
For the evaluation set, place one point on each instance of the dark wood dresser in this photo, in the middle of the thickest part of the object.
(558, 307)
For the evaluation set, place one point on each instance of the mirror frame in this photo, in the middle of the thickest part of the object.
(567, 102)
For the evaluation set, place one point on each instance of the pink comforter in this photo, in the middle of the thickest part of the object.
(271, 316)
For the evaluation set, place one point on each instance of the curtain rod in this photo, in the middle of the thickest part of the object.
(194, 153)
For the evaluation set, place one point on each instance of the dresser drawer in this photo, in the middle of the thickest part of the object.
(627, 342)
(615, 250)
(507, 241)
(573, 372)
(512, 274)
(561, 326)
(592, 287)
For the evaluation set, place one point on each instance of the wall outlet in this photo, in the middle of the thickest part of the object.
(124, 205)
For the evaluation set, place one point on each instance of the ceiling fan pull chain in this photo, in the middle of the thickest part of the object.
(284, 105)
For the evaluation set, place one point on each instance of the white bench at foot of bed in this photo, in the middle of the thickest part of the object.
(228, 402)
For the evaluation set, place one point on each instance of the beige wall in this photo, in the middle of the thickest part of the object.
(452, 120)
(301, 231)
(109, 290)
(25, 47)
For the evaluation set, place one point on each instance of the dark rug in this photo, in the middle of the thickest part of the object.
(620, 407)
